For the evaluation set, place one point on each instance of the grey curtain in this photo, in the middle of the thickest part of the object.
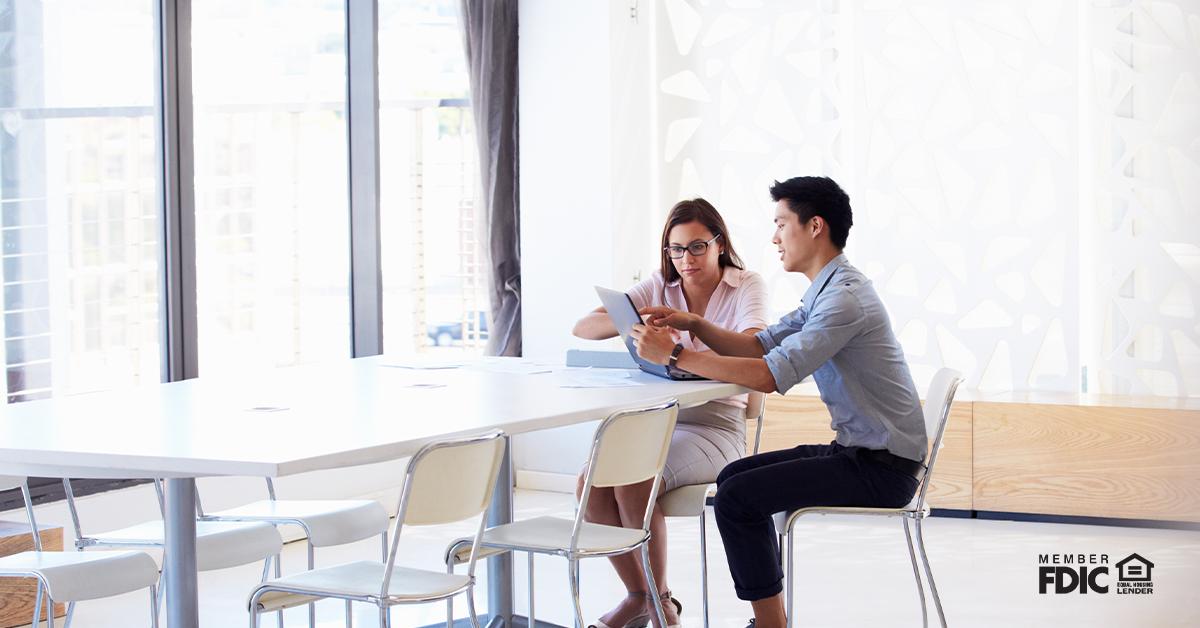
(490, 38)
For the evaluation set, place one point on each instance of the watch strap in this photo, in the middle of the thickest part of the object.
(675, 353)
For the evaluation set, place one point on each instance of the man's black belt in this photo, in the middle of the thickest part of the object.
(904, 465)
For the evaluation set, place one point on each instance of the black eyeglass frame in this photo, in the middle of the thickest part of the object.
(697, 249)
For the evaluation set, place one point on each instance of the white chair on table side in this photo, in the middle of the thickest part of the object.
(630, 446)
(325, 523)
(691, 500)
(937, 414)
(76, 576)
(446, 481)
(219, 544)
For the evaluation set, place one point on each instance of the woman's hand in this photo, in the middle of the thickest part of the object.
(654, 344)
(659, 316)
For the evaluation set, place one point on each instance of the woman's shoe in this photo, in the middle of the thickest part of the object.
(637, 622)
(667, 597)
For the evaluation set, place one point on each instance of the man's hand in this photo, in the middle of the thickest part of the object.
(659, 316)
(654, 344)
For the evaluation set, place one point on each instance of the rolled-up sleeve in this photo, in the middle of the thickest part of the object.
(797, 355)
(791, 323)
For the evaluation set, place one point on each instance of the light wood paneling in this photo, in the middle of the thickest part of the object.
(1096, 461)
(18, 594)
(803, 419)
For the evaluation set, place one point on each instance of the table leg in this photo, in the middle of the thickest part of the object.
(179, 556)
(500, 567)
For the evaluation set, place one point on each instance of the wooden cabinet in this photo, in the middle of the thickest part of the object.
(1044, 453)
(803, 419)
(1117, 457)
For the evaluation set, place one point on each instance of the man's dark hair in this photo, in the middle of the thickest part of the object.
(817, 196)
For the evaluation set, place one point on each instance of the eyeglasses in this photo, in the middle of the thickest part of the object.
(696, 248)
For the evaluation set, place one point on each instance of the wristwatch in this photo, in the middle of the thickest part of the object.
(675, 354)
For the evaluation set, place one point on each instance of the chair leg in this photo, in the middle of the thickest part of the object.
(912, 557)
(349, 614)
(385, 619)
(475, 615)
(573, 579)
(37, 606)
(49, 610)
(937, 600)
(383, 555)
(532, 620)
(703, 569)
(153, 607)
(279, 574)
(789, 580)
(650, 583)
(312, 606)
(162, 589)
(70, 614)
(450, 600)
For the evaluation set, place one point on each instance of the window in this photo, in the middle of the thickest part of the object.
(434, 293)
(272, 225)
(79, 199)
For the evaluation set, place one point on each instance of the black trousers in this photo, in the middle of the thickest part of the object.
(752, 489)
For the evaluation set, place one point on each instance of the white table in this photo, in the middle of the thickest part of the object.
(295, 420)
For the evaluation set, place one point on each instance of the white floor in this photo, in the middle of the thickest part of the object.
(851, 573)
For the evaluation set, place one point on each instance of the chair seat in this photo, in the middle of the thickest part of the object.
(327, 522)
(219, 544)
(78, 576)
(361, 579)
(553, 535)
(685, 501)
(909, 510)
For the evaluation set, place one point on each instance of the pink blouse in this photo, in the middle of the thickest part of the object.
(739, 303)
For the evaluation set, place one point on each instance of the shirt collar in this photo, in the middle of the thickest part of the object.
(729, 275)
(822, 278)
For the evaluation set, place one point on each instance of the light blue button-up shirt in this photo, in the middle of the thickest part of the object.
(842, 336)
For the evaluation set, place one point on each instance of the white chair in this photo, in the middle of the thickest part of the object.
(325, 523)
(76, 576)
(691, 500)
(937, 414)
(219, 544)
(629, 447)
(446, 481)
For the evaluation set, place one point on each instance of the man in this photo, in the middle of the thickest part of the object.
(841, 336)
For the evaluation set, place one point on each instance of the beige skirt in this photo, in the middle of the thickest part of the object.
(706, 438)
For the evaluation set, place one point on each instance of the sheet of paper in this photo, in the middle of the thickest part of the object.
(509, 365)
(422, 363)
(596, 378)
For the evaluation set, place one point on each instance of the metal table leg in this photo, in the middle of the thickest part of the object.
(179, 555)
(500, 567)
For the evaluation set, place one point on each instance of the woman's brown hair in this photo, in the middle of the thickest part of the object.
(701, 211)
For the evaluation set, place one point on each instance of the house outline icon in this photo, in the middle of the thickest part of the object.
(1139, 571)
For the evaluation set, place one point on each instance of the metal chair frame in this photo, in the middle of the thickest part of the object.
(382, 599)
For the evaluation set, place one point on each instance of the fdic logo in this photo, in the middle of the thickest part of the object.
(1068, 573)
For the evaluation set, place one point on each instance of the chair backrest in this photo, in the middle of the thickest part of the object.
(937, 414)
(447, 481)
(630, 446)
(452, 480)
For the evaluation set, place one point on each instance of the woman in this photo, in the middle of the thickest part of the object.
(700, 273)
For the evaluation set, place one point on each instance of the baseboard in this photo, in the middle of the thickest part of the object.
(545, 481)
